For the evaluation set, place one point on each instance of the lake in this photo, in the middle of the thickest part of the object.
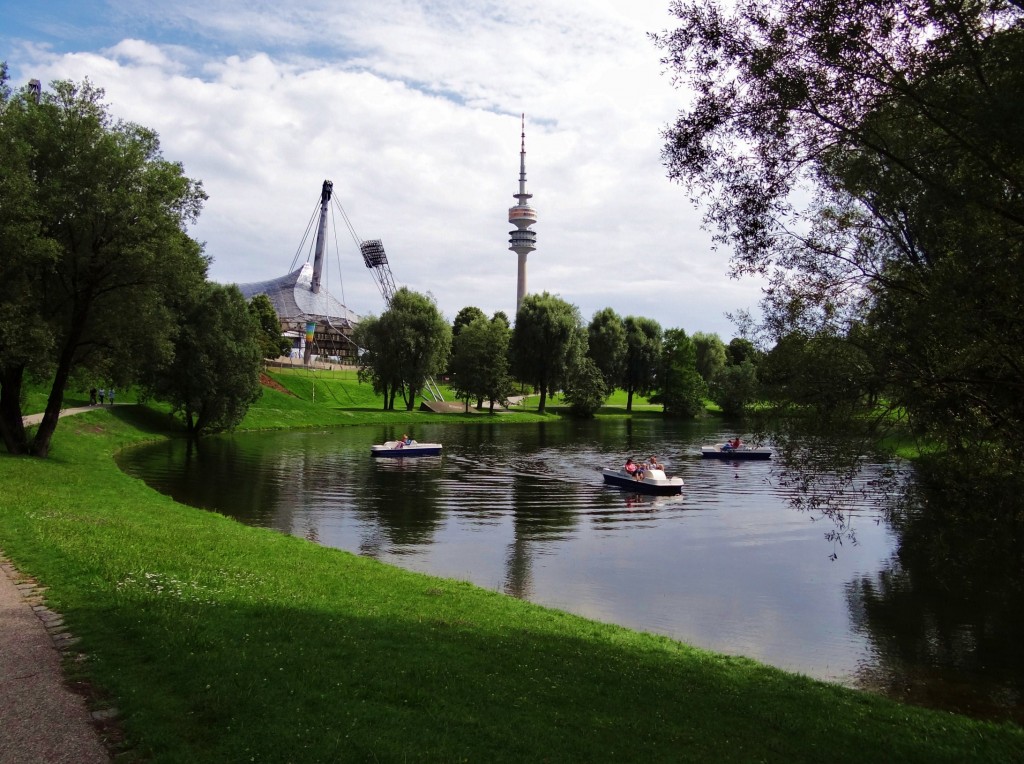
(729, 565)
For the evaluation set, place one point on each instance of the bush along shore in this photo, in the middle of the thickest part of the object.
(219, 642)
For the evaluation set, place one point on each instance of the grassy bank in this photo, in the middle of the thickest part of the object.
(220, 642)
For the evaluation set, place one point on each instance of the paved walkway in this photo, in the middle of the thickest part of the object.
(37, 418)
(41, 720)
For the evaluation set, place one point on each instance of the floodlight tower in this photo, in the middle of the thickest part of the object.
(522, 241)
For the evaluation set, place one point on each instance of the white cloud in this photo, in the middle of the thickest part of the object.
(412, 109)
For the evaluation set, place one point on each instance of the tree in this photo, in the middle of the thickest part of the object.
(214, 374)
(585, 388)
(827, 376)
(272, 344)
(95, 246)
(739, 350)
(479, 363)
(643, 353)
(465, 317)
(606, 337)
(410, 342)
(379, 361)
(902, 120)
(735, 388)
(681, 388)
(547, 338)
(711, 355)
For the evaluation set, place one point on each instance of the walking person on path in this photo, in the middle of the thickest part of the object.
(103, 394)
(110, 396)
(92, 396)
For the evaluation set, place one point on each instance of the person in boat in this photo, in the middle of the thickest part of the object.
(404, 441)
(634, 469)
(653, 464)
(730, 445)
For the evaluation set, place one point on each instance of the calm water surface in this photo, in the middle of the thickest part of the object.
(729, 565)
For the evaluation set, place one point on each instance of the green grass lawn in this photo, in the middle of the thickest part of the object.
(219, 642)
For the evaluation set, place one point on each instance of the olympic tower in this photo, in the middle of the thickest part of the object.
(522, 241)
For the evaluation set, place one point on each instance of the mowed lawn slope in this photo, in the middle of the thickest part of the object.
(218, 643)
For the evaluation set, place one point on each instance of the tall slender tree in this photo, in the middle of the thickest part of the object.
(547, 338)
(606, 337)
(643, 354)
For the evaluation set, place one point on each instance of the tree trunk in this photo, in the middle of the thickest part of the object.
(41, 442)
(543, 399)
(629, 399)
(12, 429)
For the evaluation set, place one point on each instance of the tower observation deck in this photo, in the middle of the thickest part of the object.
(522, 240)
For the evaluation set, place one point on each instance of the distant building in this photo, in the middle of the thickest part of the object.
(316, 322)
(297, 306)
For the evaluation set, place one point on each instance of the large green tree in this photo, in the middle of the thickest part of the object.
(547, 339)
(465, 317)
(93, 224)
(680, 386)
(585, 388)
(902, 120)
(214, 373)
(711, 354)
(736, 387)
(408, 344)
(643, 354)
(606, 338)
(479, 364)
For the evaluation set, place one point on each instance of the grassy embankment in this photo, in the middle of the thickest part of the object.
(220, 642)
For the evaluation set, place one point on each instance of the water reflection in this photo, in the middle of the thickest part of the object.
(728, 565)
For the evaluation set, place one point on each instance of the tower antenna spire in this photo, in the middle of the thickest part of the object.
(522, 241)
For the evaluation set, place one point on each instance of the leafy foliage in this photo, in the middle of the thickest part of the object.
(735, 388)
(711, 355)
(606, 335)
(272, 344)
(585, 388)
(215, 372)
(681, 388)
(410, 342)
(479, 364)
(643, 354)
(95, 249)
(547, 340)
(903, 122)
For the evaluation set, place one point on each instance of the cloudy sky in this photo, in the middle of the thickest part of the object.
(412, 109)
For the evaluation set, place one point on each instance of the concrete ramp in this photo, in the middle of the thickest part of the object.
(444, 407)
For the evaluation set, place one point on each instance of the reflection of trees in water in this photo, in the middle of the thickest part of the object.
(544, 510)
(952, 643)
(223, 474)
(836, 476)
(400, 500)
(945, 618)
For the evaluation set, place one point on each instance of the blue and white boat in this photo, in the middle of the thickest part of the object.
(654, 482)
(400, 449)
(728, 452)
